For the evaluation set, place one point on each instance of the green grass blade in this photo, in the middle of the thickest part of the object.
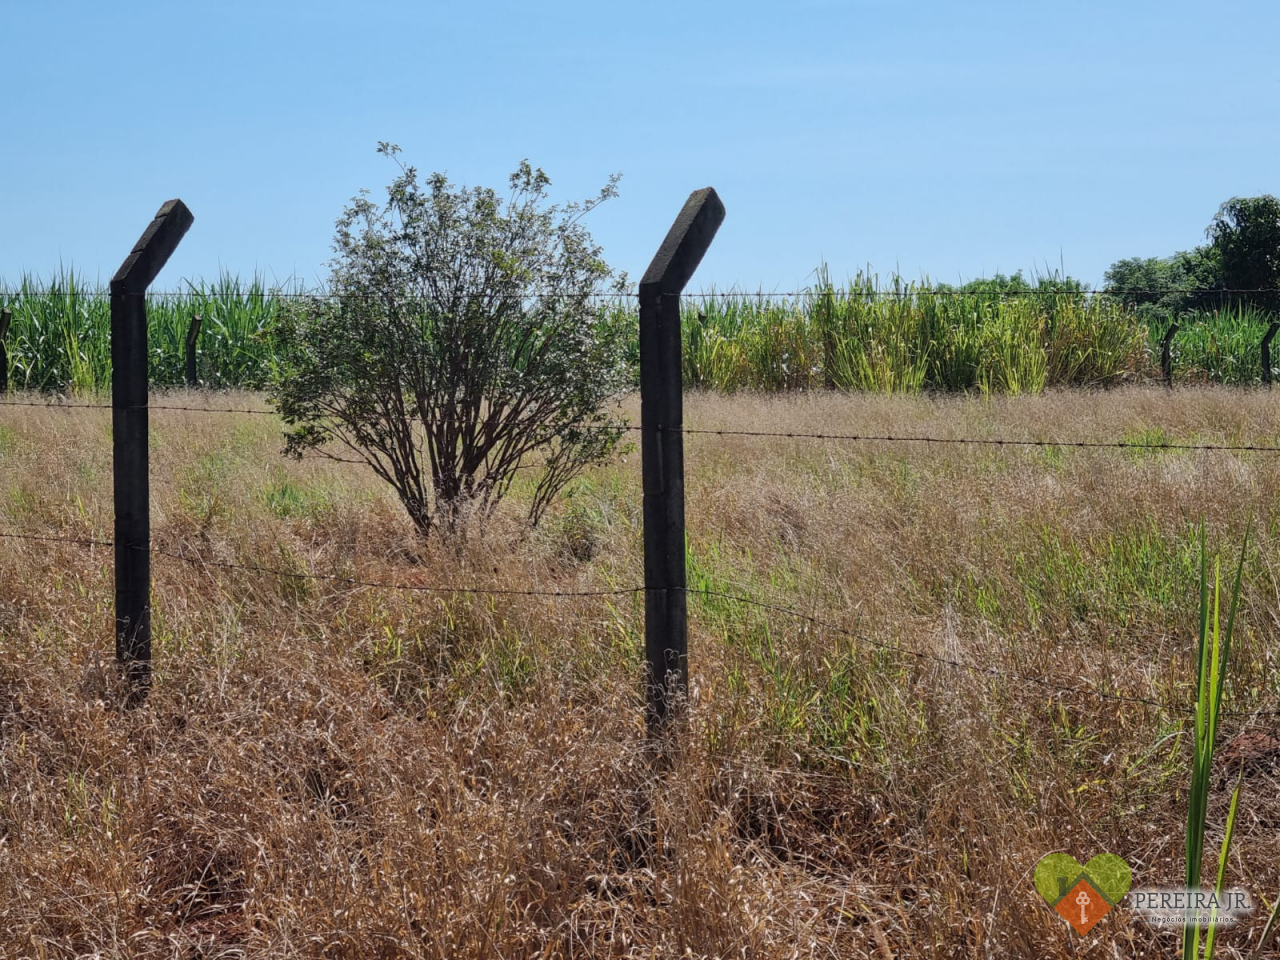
(1212, 936)
(1267, 930)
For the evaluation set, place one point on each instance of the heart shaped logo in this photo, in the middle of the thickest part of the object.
(1082, 895)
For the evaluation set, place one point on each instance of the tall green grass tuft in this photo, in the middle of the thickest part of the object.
(1213, 653)
(904, 337)
(748, 342)
(899, 336)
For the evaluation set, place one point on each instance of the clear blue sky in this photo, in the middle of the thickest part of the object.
(956, 139)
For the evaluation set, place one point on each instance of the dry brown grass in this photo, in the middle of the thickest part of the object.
(331, 771)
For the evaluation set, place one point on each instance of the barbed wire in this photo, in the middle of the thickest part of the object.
(331, 577)
(990, 441)
(79, 541)
(57, 405)
(1145, 445)
(215, 299)
(75, 405)
(853, 293)
(1056, 685)
(378, 585)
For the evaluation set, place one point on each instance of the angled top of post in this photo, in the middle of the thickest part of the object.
(153, 249)
(686, 242)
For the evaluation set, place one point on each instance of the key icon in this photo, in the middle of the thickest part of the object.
(1082, 899)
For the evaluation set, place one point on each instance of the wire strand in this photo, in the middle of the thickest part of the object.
(81, 541)
(378, 585)
(730, 432)
(1046, 683)
(849, 292)
(988, 442)
(336, 578)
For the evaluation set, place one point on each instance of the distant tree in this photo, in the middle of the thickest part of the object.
(1165, 286)
(458, 342)
(1198, 278)
(1245, 236)
(1005, 284)
(1243, 254)
(1046, 286)
(1139, 281)
(1016, 284)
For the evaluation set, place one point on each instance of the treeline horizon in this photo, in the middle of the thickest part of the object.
(1009, 333)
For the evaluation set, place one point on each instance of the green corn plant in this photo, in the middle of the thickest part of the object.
(826, 321)
(60, 337)
(1213, 653)
(1221, 346)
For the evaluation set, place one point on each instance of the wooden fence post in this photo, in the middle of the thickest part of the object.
(193, 334)
(1266, 352)
(5, 317)
(129, 441)
(666, 637)
(1166, 355)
